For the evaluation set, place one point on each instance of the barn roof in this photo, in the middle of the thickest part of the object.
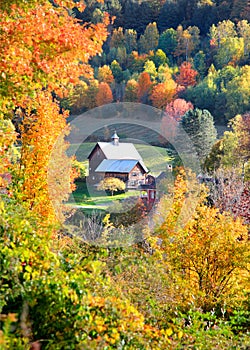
(119, 165)
(120, 151)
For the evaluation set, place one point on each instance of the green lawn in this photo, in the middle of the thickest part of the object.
(96, 198)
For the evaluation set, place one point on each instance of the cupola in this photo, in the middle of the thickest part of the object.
(115, 139)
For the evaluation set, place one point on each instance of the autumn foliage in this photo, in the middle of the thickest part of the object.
(187, 75)
(44, 47)
(144, 86)
(43, 50)
(172, 278)
(177, 108)
(163, 93)
(104, 94)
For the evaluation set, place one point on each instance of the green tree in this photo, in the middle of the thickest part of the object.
(117, 71)
(160, 58)
(111, 184)
(130, 40)
(238, 93)
(199, 126)
(117, 38)
(236, 143)
(230, 51)
(168, 41)
(200, 64)
(121, 56)
(149, 40)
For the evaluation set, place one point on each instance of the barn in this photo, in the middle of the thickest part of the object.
(117, 159)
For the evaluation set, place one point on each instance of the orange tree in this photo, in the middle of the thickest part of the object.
(43, 50)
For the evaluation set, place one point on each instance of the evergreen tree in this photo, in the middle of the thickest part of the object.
(117, 71)
(199, 126)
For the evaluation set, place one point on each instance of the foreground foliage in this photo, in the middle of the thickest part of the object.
(179, 286)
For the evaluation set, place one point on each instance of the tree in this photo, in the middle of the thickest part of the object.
(90, 97)
(121, 55)
(200, 64)
(163, 93)
(43, 50)
(111, 184)
(76, 99)
(168, 41)
(187, 41)
(209, 254)
(230, 51)
(144, 86)
(224, 29)
(177, 108)
(130, 40)
(199, 126)
(236, 143)
(160, 58)
(104, 94)
(43, 47)
(136, 62)
(42, 131)
(131, 91)
(105, 74)
(149, 40)
(150, 68)
(238, 93)
(243, 28)
(117, 38)
(117, 71)
(187, 75)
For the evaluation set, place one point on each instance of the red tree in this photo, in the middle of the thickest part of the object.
(187, 75)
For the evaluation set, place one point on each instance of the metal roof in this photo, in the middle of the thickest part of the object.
(119, 151)
(118, 165)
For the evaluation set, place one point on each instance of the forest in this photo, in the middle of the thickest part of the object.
(180, 279)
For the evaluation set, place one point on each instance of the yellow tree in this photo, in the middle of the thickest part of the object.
(111, 184)
(209, 251)
(131, 91)
(105, 74)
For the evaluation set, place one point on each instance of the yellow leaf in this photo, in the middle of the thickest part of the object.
(180, 335)
(169, 332)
